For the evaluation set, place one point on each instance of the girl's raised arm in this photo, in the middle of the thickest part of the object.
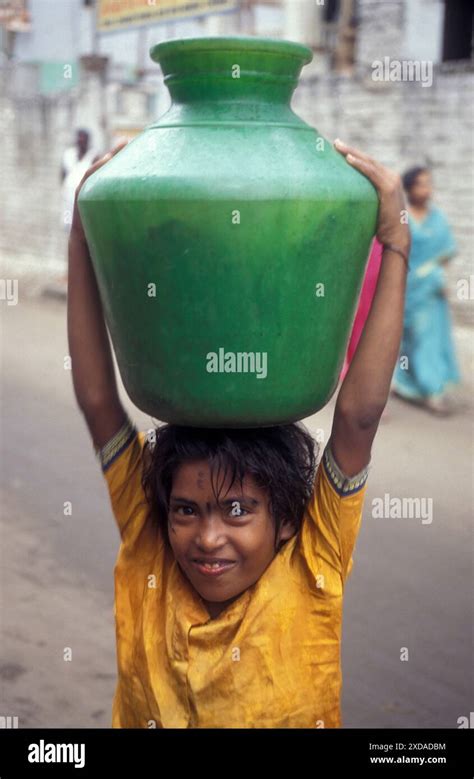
(93, 371)
(365, 389)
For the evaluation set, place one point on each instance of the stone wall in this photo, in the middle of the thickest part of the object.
(404, 124)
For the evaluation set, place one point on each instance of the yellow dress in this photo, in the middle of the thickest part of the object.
(271, 659)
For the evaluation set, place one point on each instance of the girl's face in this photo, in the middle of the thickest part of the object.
(222, 549)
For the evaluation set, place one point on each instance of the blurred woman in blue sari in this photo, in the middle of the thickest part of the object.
(427, 367)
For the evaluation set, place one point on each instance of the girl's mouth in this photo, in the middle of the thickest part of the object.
(213, 567)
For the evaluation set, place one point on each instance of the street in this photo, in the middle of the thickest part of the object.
(407, 643)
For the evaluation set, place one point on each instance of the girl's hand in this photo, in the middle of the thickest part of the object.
(77, 230)
(388, 184)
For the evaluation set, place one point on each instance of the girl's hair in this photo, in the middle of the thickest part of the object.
(282, 460)
(410, 176)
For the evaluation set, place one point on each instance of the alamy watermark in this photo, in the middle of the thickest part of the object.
(8, 721)
(389, 507)
(9, 291)
(45, 752)
(403, 70)
(237, 362)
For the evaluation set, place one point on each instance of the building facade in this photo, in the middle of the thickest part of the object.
(394, 77)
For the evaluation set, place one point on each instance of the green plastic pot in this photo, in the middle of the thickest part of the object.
(229, 241)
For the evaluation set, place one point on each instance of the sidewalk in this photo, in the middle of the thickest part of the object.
(48, 613)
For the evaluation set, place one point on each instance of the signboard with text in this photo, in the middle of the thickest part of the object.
(122, 14)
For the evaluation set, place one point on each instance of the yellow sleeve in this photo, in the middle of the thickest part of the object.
(332, 520)
(122, 465)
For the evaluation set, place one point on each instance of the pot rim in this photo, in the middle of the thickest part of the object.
(225, 42)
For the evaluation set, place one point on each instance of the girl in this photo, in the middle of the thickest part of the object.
(233, 560)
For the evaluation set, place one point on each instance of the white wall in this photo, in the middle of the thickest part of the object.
(54, 32)
(424, 30)
(63, 30)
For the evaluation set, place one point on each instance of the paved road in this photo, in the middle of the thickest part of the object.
(411, 586)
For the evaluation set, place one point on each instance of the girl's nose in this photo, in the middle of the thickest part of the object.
(210, 535)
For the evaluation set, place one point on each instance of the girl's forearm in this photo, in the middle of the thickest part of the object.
(365, 389)
(91, 356)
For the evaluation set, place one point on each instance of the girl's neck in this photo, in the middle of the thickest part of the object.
(215, 609)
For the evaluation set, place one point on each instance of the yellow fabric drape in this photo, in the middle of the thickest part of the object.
(272, 657)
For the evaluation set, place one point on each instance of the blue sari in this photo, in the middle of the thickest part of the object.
(431, 365)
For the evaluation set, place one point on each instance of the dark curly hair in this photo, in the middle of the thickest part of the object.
(282, 460)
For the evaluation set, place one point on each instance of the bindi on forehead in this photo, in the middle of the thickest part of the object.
(201, 479)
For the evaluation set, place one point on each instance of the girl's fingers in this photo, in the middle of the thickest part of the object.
(123, 142)
(368, 168)
(351, 152)
(102, 161)
(76, 219)
(107, 156)
(345, 149)
(383, 179)
(95, 167)
(112, 152)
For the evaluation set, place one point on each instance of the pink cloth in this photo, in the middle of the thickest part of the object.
(365, 302)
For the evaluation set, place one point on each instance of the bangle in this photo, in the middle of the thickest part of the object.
(395, 249)
(111, 450)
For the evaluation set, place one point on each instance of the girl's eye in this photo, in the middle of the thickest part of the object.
(184, 511)
(237, 510)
